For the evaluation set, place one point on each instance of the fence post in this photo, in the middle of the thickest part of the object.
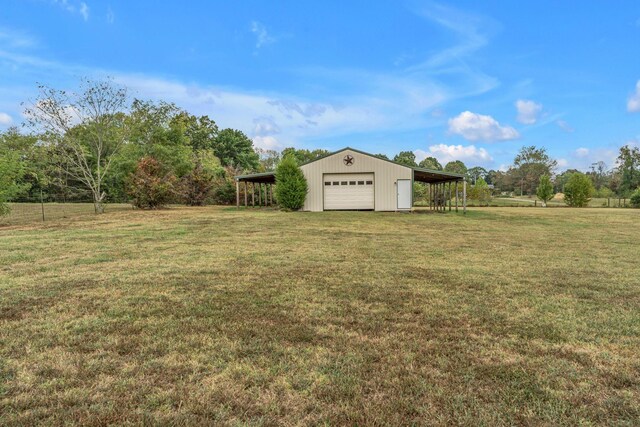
(42, 204)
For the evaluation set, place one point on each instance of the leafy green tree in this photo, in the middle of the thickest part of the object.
(407, 158)
(234, 148)
(381, 156)
(89, 127)
(604, 193)
(151, 186)
(635, 199)
(302, 155)
(291, 185)
(269, 159)
(11, 172)
(196, 186)
(545, 189)
(578, 190)
(476, 173)
(431, 163)
(201, 132)
(456, 166)
(561, 180)
(529, 165)
(224, 188)
(480, 192)
(629, 169)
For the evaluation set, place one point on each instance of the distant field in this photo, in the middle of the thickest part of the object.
(213, 316)
(532, 201)
(26, 213)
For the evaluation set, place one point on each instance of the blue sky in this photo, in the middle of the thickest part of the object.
(458, 80)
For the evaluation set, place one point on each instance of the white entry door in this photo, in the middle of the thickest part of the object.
(350, 191)
(404, 194)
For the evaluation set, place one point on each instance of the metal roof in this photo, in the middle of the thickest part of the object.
(419, 174)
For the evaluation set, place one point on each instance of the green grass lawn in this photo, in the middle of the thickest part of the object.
(256, 317)
(28, 213)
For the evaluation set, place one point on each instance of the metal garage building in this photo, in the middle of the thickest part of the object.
(350, 179)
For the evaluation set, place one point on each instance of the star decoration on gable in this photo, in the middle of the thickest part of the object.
(348, 160)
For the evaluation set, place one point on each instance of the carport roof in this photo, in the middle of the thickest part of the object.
(419, 174)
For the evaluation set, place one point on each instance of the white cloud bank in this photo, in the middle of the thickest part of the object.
(478, 127)
(528, 111)
(470, 154)
(633, 104)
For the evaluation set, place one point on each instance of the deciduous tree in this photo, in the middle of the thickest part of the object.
(151, 186)
(545, 189)
(89, 127)
(529, 165)
(578, 190)
(431, 163)
(407, 158)
(456, 166)
(629, 168)
(234, 148)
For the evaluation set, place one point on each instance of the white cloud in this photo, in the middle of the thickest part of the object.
(633, 104)
(84, 11)
(72, 7)
(265, 126)
(15, 39)
(474, 127)
(582, 152)
(267, 142)
(469, 154)
(562, 163)
(263, 37)
(5, 119)
(564, 126)
(528, 111)
(111, 17)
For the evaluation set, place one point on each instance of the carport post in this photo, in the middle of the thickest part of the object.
(456, 196)
(253, 194)
(259, 194)
(237, 194)
(271, 194)
(464, 196)
(245, 194)
(449, 196)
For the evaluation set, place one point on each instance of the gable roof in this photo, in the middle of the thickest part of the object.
(420, 174)
(445, 175)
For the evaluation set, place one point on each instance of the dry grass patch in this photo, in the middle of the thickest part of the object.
(217, 316)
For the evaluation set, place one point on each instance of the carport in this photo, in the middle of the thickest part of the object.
(257, 183)
(440, 187)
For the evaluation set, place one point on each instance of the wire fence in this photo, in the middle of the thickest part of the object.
(34, 211)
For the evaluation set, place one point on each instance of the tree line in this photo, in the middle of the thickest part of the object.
(98, 144)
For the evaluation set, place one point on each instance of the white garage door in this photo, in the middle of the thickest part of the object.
(348, 191)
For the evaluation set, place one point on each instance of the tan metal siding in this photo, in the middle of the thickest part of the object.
(385, 176)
